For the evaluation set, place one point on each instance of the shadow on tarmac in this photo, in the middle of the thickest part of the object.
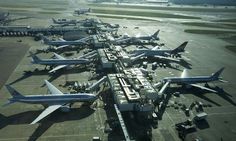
(56, 117)
(53, 76)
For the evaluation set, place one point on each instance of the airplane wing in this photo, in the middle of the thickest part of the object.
(60, 47)
(46, 112)
(202, 87)
(59, 56)
(57, 68)
(155, 48)
(52, 88)
(164, 87)
(61, 39)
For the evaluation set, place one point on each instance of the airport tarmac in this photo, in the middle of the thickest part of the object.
(207, 54)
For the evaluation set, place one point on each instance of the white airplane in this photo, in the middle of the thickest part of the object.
(184, 79)
(164, 54)
(126, 39)
(61, 43)
(54, 101)
(82, 11)
(61, 62)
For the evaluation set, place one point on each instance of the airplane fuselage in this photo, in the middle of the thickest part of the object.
(148, 52)
(190, 80)
(144, 38)
(61, 61)
(55, 98)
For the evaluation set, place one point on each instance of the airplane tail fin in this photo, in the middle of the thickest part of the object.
(155, 35)
(217, 74)
(13, 92)
(35, 59)
(180, 48)
(54, 21)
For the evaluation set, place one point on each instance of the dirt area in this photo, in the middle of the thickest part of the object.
(10, 56)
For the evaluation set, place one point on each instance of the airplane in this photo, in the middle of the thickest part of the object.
(82, 11)
(54, 101)
(60, 62)
(61, 43)
(127, 39)
(64, 22)
(184, 79)
(163, 54)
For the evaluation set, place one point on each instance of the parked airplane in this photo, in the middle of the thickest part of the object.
(82, 11)
(164, 54)
(64, 22)
(61, 43)
(60, 62)
(127, 39)
(54, 101)
(191, 81)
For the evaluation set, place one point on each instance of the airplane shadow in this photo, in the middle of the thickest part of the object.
(54, 76)
(168, 63)
(56, 117)
(28, 74)
(74, 70)
(200, 93)
(58, 51)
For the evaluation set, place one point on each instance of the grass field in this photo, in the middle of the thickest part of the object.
(213, 32)
(231, 48)
(226, 20)
(192, 9)
(142, 13)
(211, 25)
(123, 17)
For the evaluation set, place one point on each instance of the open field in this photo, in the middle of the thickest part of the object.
(142, 13)
(123, 17)
(10, 56)
(212, 32)
(211, 25)
(180, 8)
